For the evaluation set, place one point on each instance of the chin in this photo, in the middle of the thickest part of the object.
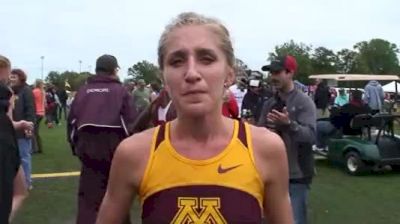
(195, 110)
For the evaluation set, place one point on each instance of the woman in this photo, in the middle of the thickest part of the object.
(13, 188)
(197, 168)
(40, 102)
(24, 109)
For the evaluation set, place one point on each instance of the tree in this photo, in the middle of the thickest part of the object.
(377, 56)
(240, 68)
(74, 79)
(55, 78)
(324, 61)
(301, 52)
(146, 71)
(347, 61)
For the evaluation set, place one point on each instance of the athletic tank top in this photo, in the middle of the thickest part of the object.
(224, 189)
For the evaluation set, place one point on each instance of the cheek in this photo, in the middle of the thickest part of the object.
(171, 82)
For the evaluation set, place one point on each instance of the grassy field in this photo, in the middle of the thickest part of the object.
(335, 196)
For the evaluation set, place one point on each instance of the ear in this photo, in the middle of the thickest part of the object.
(230, 76)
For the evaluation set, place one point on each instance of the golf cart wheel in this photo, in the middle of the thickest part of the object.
(354, 164)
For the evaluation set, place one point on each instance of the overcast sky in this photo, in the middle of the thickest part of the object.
(68, 31)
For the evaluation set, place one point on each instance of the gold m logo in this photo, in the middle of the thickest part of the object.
(199, 211)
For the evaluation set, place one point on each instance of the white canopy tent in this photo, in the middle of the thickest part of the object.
(391, 87)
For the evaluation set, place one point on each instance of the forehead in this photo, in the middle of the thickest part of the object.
(274, 73)
(192, 37)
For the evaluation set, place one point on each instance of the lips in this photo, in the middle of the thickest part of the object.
(193, 92)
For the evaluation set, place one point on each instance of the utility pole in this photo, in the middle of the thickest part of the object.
(42, 59)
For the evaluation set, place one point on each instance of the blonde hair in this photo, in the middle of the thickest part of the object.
(191, 18)
(39, 83)
(4, 62)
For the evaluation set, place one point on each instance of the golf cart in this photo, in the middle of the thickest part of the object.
(377, 146)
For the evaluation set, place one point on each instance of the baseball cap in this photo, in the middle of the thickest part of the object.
(280, 63)
(106, 63)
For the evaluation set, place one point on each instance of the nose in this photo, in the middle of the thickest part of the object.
(192, 74)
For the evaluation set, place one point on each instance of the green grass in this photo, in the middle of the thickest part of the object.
(57, 155)
(335, 196)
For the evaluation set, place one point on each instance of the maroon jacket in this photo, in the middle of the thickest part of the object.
(102, 103)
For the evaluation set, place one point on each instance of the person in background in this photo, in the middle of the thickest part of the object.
(13, 188)
(239, 90)
(253, 102)
(322, 98)
(62, 109)
(58, 105)
(94, 136)
(141, 96)
(39, 96)
(51, 106)
(160, 111)
(155, 91)
(230, 106)
(342, 98)
(374, 96)
(70, 99)
(341, 120)
(24, 109)
(292, 114)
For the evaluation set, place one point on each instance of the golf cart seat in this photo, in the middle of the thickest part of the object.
(362, 122)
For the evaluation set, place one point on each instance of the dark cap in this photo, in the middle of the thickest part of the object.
(106, 63)
(280, 63)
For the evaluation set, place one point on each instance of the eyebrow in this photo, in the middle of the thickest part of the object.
(203, 51)
(178, 53)
(198, 51)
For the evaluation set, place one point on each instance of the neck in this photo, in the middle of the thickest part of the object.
(201, 128)
(286, 89)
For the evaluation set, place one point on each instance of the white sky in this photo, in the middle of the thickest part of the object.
(68, 31)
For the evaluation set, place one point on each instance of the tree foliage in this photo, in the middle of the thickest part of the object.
(376, 56)
(302, 53)
(68, 79)
(145, 70)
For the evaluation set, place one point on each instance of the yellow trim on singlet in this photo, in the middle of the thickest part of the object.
(167, 155)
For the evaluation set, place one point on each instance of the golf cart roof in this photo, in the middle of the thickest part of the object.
(355, 77)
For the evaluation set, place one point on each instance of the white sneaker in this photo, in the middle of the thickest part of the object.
(320, 151)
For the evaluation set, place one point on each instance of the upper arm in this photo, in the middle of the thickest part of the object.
(271, 161)
(308, 114)
(263, 114)
(128, 110)
(29, 105)
(127, 170)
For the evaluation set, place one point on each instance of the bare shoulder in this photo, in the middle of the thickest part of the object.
(269, 151)
(266, 142)
(133, 153)
(136, 144)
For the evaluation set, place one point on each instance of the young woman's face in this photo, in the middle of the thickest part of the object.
(14, 80)
(195, 70)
